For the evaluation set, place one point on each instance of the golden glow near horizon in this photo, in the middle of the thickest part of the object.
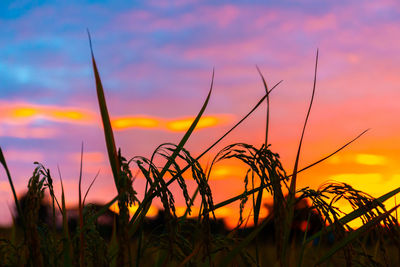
(370, 159)
(153, 211)
(374, 184)
(360, 158)
(227, 172)
(367, 177)
(180, 211)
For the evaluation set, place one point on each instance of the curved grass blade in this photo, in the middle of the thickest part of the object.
(147, 200)
(113, 245)
(333, 153)
(257, 205)
(292, 188)
(222, 137)
(267, 92)
(90, 186)
(235, 126)
(108, 133)
(189, 132)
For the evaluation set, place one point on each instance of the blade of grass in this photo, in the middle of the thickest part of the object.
(333, 153)
(257, 206)
(113, 245)
(81, 236)
(90, 186)
(67, 245)
(3, 162)
(267, 92)
(188, 132)
(300, 262)
(191, 255)
(292, 189)
(108, 133)
(233, 128)
(355, 234)
(395, 203)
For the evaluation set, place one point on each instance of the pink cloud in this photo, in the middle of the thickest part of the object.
(27, 132)
(23, 155)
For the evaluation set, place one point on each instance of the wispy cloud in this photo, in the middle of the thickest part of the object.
(135, 122)
(26, 113)
(180, 125)
(174, 125)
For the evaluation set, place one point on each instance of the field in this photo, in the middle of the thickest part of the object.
(305, 226)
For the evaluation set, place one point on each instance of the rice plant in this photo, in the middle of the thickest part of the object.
(192, 240)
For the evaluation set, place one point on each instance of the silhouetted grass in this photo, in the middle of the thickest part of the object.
(184, 241)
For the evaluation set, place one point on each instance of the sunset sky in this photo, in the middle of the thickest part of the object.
(156, 60)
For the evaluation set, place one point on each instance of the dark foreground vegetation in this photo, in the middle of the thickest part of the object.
(304, 228)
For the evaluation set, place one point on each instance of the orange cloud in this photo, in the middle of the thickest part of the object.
(135, 122)
(174, 125)
(24, 113)
(181, 125)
